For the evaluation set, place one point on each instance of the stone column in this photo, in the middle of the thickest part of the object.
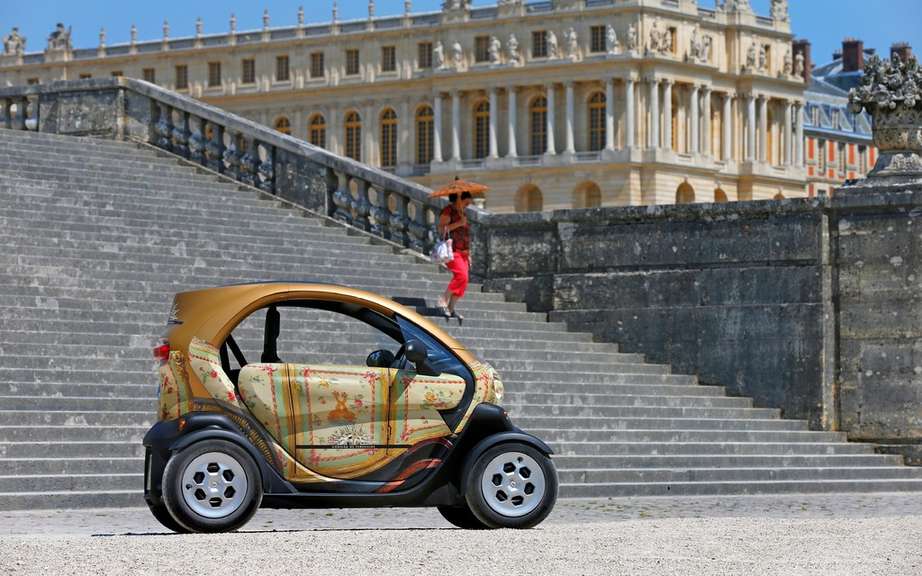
(763, 128)
(694, 121)
(653, 139)
(610, 114)
(667, 113)
(551, 124)
(370, 129)
(437, 127)
(799, 137)
(727, 124)
(405, 138)
(455, 126)
(334, 137)
(706, 145)
(494, 112)
(513, 121)
(571, 148)
(750, 128)
(788, 135)
(629, 113)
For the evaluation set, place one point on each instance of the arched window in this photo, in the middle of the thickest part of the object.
(283, 125)
(389, 138)
(684, 194)
(720, 196)
(597, 121)
(587, 195)
(425, 127)
(537, 114)
(317, 131)
(481, 130)
(354, 136)
(529, 199)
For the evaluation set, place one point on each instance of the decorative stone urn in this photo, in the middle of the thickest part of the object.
(891, 92)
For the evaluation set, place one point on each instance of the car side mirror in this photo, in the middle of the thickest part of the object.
(380, 359)
(416, 353)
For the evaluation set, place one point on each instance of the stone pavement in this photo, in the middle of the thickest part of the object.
(789, 535)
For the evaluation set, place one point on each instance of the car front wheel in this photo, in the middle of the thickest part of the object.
(212, 486)
(511, 485)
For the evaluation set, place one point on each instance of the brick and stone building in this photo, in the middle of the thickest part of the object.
(555, 104)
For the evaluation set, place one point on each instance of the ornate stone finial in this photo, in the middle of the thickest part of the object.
(233, 23)
(266, 19)
(737, 6)
(166, 30)
(335, 11)
(101, 51)
(59, 39)
(198, 27)
(780, 11)
(133, 35)
(891, 92)
(407, 7)
(13, 43)
(371, 9)
(300, 16)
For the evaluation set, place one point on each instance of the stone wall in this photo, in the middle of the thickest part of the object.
(810, 306)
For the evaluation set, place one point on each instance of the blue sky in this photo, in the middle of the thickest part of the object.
(824, 22)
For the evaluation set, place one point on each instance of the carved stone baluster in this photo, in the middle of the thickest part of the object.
(432, 232)
(400, 222)
(249, 160)
(342, 200)
(232, 156)
(181, 135)
(361, 206)
(197, 140)
(266, 169)
(6, 107)
(381, 215)
(214, 148)
(165, 128)
(419, 229)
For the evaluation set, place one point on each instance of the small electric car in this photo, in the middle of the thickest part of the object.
(289, 395)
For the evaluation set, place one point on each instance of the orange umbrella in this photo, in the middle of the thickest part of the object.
(459, 186)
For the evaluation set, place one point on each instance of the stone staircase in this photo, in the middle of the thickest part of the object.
(98, 235)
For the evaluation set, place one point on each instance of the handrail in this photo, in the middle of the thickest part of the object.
(369, 198)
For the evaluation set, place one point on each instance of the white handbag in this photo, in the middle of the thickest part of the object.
(442, 252)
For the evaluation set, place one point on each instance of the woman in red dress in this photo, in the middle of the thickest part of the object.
(453, 223)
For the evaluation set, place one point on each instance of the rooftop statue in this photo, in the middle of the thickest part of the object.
(780, 10)
(59, 39)
(13, 43)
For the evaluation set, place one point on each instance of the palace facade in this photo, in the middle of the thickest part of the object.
(554, 104)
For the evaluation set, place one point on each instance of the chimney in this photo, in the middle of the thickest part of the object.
(852, 55)
(903, 49)
(803, 47)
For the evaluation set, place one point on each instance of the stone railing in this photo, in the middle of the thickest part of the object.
(367, 198)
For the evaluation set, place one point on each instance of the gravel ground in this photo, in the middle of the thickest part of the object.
(788, 535)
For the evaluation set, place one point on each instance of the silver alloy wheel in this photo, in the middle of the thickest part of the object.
(214, 485)
(513, 484)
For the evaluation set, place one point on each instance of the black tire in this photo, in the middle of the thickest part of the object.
(462, 517)
(163, 516)
(482, 510)
(185, 515)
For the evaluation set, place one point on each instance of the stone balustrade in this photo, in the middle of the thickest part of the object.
(367, 198)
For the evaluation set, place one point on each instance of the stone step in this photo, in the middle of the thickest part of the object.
(553, 435)
(701, 461)
(618, 396)
(82, 178)
(141, 399)
(71, 433)
(628, 423)
(786, 473)
(71, 499)
(700, 448)
(75, 482)
(736, 488)
(630, 411)
(78, 417)
(70, 449)
(57, 466)
(83, 144)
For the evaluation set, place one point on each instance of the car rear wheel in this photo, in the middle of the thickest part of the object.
(462, 517)
(512, 485)
(212, 486)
